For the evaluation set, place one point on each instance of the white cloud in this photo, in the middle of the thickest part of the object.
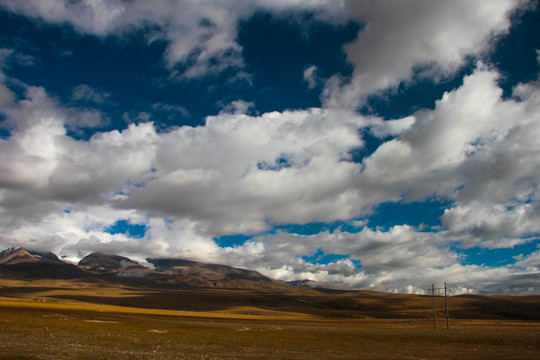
(84, 92)
(398, 260)
(6, 95)
(201, 35)
(38, 156)
(220, 188)
(310, 76)
(531, 262)
(425, 36)
(231, 189)
(397, 39)
(94, 16)
(472, 145)
(493, 226)
(85, 119)
(243, 172)
(171, 110)
(385, 128)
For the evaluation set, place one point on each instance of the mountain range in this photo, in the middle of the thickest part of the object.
(167, 273)
(182, 284)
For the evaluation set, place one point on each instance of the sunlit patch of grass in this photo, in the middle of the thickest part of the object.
(238, 313)
(254, 311)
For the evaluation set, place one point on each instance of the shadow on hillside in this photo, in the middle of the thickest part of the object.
(382, 306)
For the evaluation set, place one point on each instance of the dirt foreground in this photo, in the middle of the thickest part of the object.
(31, 329)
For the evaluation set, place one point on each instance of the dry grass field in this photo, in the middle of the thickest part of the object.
(73, 320)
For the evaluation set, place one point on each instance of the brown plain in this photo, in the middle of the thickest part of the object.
(65, 319)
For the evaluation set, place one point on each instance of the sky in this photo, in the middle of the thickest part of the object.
(363, 144)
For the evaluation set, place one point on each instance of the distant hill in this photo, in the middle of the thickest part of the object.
(113, 264)
(41, 255)
(16, 256)
(24, 263)
(210, 272)
(19, 255)
(168, 273)
(304, 283)
(219, 276)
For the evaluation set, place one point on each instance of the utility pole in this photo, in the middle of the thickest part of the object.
(446, 305)
(434, 311)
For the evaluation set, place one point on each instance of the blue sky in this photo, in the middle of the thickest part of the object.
(367, 145)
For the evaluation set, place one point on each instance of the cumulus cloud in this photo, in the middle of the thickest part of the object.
(140, 170)
(473, 145)
(243, 173)
(201, 37)
(222, 180)
(401, 259)
(39, 103)
(399, 39)
(38, 156)
(402, 40)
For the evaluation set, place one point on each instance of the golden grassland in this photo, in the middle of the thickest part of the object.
(243, 312)
(75, 320)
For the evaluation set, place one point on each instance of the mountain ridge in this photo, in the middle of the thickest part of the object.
(36, 264)
(168, 272)
(13, 256)
(208, 271)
